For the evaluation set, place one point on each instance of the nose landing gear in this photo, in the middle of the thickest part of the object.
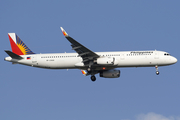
(157, 72)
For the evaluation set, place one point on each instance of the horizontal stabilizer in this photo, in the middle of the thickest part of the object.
(13, 55)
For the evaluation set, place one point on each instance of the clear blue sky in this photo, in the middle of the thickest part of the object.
(28, 93)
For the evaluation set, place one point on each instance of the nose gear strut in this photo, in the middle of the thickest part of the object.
(157, 72)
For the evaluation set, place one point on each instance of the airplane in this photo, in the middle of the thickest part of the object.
(89, 62)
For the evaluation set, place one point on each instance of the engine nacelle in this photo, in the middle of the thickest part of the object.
(106, 61)
(110, 74)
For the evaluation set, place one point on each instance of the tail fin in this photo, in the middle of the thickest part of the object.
(18, 46)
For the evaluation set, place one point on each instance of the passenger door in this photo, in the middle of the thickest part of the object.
(156, 56)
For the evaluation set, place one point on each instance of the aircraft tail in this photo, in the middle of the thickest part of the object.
(18, 46)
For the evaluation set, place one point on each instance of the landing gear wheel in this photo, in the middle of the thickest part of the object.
(93, 78)
(157, 72)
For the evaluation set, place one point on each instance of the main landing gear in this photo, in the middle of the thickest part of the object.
(157, 72)
(93, 78)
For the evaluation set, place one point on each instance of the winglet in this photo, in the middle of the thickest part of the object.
(84, 72)
(64, 32)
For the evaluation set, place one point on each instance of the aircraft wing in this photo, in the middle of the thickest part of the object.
(84, 52)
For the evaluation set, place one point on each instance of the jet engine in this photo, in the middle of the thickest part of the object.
(106, 61)
(110, 74)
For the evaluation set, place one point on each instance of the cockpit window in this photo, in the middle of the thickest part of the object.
(167, 54)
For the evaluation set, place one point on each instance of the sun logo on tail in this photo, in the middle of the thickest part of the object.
(24, 49)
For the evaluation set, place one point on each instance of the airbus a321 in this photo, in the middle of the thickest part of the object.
(89, 62)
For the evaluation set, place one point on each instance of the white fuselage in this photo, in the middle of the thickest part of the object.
(73, 61)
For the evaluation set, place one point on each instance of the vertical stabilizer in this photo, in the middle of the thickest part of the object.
(18, 46)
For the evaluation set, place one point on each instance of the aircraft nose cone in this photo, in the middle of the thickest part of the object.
(174, 60)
